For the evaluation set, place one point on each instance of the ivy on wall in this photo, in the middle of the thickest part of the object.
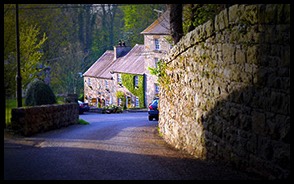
(160, 72)
(138, 91)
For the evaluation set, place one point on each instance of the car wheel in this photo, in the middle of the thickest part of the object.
(156, 118)
(150, 118)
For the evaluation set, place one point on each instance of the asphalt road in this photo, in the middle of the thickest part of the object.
(112, 147)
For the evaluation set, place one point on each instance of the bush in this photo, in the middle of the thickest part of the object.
(112, 109)
(39, 93)
(81, 97)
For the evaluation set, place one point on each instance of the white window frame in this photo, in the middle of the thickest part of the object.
(137, 104)
(119, 80)
(89, 81)
(136, 80)
(106, 84)
(157, 45)
(156, 62)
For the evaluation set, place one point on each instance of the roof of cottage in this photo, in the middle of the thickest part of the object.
(101, 68)
(132, 62)
(160, 26)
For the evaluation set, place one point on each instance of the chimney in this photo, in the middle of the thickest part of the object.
(120, 50)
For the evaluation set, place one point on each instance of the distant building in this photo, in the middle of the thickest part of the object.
(103, 83)
(156, 46)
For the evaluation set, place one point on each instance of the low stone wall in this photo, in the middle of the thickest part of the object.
(31, 120)
(226, 92)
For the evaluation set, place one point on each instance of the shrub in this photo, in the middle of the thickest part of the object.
(112, 109)
(39, 93)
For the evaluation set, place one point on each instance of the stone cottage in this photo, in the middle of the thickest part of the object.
(121, 76)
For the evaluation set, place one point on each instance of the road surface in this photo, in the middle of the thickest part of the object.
(122, 146)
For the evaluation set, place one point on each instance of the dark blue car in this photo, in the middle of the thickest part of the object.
(83, 107)
(153, 110)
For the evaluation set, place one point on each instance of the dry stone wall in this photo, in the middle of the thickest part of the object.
(226, 92)
(31, 120)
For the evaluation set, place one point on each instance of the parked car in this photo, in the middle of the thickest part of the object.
(153, 112)
(83, 107)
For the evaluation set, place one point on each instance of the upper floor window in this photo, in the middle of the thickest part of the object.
(156, 41)
(136, 81)
(89, 81)
(119, 81)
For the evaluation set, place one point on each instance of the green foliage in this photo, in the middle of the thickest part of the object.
(9, 105)
(138, 91)
(160, 72)
(81, 97)
(138, 17)
(159, 132)
(198, 14)
(112, 109)
(31, 42)
(30, 55)
(169, 39)
(39, 93)
(83, 122)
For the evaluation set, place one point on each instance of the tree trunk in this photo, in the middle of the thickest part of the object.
(176, 24)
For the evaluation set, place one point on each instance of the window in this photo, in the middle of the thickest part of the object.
(119, 81)
(137, 102)
(110, 100)
(156, 41)
(89, 81)
(106, 84)
(157, 88)
(136, 81)
(156, 62)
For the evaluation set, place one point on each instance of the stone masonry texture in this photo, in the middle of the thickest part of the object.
(31, 120)
(226, 94)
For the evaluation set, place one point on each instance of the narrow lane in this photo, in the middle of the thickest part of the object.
(112, 147)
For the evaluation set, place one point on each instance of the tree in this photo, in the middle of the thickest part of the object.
(197, 14)
(176, 24)
(31, 42)
(138, 17)
(30, 53)
(104, 32)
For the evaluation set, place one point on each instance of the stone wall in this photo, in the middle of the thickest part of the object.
(226, 92)
(31, 120)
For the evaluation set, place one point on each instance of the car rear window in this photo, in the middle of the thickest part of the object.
(154, 102)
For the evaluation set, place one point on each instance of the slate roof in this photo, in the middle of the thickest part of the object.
(132, 62)
(101, 68)
(159, 26)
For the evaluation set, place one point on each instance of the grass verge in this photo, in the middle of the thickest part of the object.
(83, 122)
